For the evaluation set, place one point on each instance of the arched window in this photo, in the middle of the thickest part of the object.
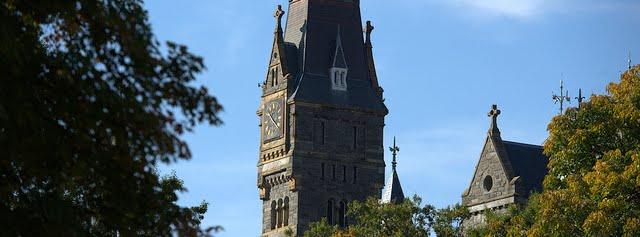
(280, 213)
(342, 211)
(273, 215)
(273, 75)
(330, 212)
(286, 211)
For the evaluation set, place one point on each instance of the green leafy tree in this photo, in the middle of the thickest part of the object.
(90, 104)
(448, 220)
(593, 185)
(372, 218)
(321, 229)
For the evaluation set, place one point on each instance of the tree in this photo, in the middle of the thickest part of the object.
(448, 220)
(593, 185)
(90, 105)
(372, 218)
(321, 229)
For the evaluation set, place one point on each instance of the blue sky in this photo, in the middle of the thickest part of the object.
(442, 64)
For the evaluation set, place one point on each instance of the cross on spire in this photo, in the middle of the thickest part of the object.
(494, 113)
(394, 150)
(278, 15)
(367, 30)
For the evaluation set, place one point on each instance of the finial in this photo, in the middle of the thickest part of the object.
(580, 98)
(494, 113)
(394, 150)
(564, 96)
(367, 30)
(629, 60)
(278, 15)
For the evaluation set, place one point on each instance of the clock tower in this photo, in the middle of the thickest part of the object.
(321, 118)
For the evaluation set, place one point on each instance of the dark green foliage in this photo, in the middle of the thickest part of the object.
(375, 219)
(89, 106)
(321, 229)
(448, 221)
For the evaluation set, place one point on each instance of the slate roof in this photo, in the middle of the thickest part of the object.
(528, 162)
(393, 190)
(312, 27)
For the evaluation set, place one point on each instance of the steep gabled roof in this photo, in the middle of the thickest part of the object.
(393, 190)
(312, 27)
(525, 161)
(528, 162)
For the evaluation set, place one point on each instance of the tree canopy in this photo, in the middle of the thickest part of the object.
(593, 185)
(90, 104)
(408, 218)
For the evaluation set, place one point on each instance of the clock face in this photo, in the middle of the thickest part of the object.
(272, 120)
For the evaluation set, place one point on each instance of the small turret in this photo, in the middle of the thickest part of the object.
(393, 190)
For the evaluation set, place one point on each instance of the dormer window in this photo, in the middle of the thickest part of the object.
(338, 78)
(339, 70)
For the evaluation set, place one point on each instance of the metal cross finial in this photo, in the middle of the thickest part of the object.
(564, 96)
(580, 98)
(278, 15)
(494, 113)
(394, 150)
(367, 30)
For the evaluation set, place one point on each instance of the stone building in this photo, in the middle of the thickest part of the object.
(506, 173)
(321, 117)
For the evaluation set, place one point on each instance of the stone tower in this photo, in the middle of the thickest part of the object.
(321, 117)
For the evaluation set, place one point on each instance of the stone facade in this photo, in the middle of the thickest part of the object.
(506, 174)
(320, 148)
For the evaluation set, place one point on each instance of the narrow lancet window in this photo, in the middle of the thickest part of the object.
(273, 214)
(286, 211)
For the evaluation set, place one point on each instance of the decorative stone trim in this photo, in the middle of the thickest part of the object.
(267, 156)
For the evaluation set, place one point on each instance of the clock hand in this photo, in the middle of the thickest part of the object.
(273, 120)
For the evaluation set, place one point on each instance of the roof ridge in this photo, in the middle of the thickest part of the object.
(523, 144)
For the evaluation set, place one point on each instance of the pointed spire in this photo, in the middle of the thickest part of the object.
(338, 59)
(494, 113)
(371, 66)
(629, 60)
(394, 150)
(278, 70)
(393, 190)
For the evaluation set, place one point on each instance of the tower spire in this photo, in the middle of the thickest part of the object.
(629, 60)
(393, 190)
(394, 151)
(371, 66)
